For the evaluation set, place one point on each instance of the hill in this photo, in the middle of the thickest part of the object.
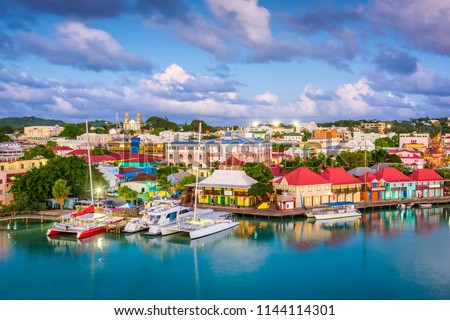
(18, 123)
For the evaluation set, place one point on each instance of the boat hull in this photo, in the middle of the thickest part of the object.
(217, 227)
(326, 216)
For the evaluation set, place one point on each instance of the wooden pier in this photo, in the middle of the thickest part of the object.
(301, 212)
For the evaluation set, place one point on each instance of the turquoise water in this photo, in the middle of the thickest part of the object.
(384, 255)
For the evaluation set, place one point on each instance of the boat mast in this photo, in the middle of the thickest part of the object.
(89, 161)
(196, 172)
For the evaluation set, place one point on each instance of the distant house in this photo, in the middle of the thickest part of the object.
(410, 158)
(293, 136)
(429, 183)
(305, 186)
(232, 163)
(61, 151)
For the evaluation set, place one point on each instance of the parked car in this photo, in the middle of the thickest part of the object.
(112, 193)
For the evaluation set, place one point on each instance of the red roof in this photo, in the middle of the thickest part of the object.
(302, 176)
(233, 161)
(391, 174)
(369, 177)
(425, 174)
(276, 168)
(338, 176)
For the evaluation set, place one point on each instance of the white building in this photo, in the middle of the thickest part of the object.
(371, 136)
(110, 173)
(414, 140)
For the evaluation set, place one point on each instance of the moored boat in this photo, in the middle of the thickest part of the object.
(425, 205)
(335, 210)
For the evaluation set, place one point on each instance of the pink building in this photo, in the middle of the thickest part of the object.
(429, 183)
(305, 186)
(410, 158)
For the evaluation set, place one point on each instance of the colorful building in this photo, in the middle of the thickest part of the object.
(397, 185)
(226, 188)
(305, 186)
(344, 186)
(429, 183)
(374, 187)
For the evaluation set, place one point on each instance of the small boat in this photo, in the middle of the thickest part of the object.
(405, 205)
(335, 210)
(425, 205)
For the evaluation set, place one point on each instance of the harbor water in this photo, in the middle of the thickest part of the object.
(385, 254)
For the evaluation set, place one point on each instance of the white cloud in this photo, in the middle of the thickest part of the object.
(267, 97)
(82, 47)
(245, 16)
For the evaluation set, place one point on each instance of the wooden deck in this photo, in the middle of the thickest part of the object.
(300, 212)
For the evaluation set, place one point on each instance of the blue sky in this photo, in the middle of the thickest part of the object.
(227, 62)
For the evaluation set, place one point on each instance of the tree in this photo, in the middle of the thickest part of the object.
(51, 143)
(161, 123)
(306, 135)
(258, 171)
(60, 192)
(163, 172)
(164, 185)
(126, 193)
(36, 185)
(186, 180)
(38, 151)
(261, 190)
(71, 131)
(100, 151)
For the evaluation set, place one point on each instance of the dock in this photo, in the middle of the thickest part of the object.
(273, 213)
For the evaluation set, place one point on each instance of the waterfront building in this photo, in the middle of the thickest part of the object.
(397, 185)
(305, 186)
(344, 186)
(410, 158)
(6, 196)
(414, 140)
(226, 188)
(373, 187)
(285, 202)
(429, 183)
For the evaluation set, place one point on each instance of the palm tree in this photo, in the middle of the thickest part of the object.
(60, 192)
(164, 185)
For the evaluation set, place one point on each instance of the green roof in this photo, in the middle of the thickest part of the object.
(293, 134)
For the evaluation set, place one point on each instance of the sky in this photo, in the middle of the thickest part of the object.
(233, 62)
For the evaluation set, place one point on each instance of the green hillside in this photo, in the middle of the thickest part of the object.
(18, 123)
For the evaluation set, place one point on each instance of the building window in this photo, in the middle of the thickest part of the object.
(310, 188)
(318, 188)
(301, 189)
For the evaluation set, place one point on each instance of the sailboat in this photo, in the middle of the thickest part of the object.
(87, 221)
(201, 224)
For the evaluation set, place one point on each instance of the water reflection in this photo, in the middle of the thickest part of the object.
(301, 234)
